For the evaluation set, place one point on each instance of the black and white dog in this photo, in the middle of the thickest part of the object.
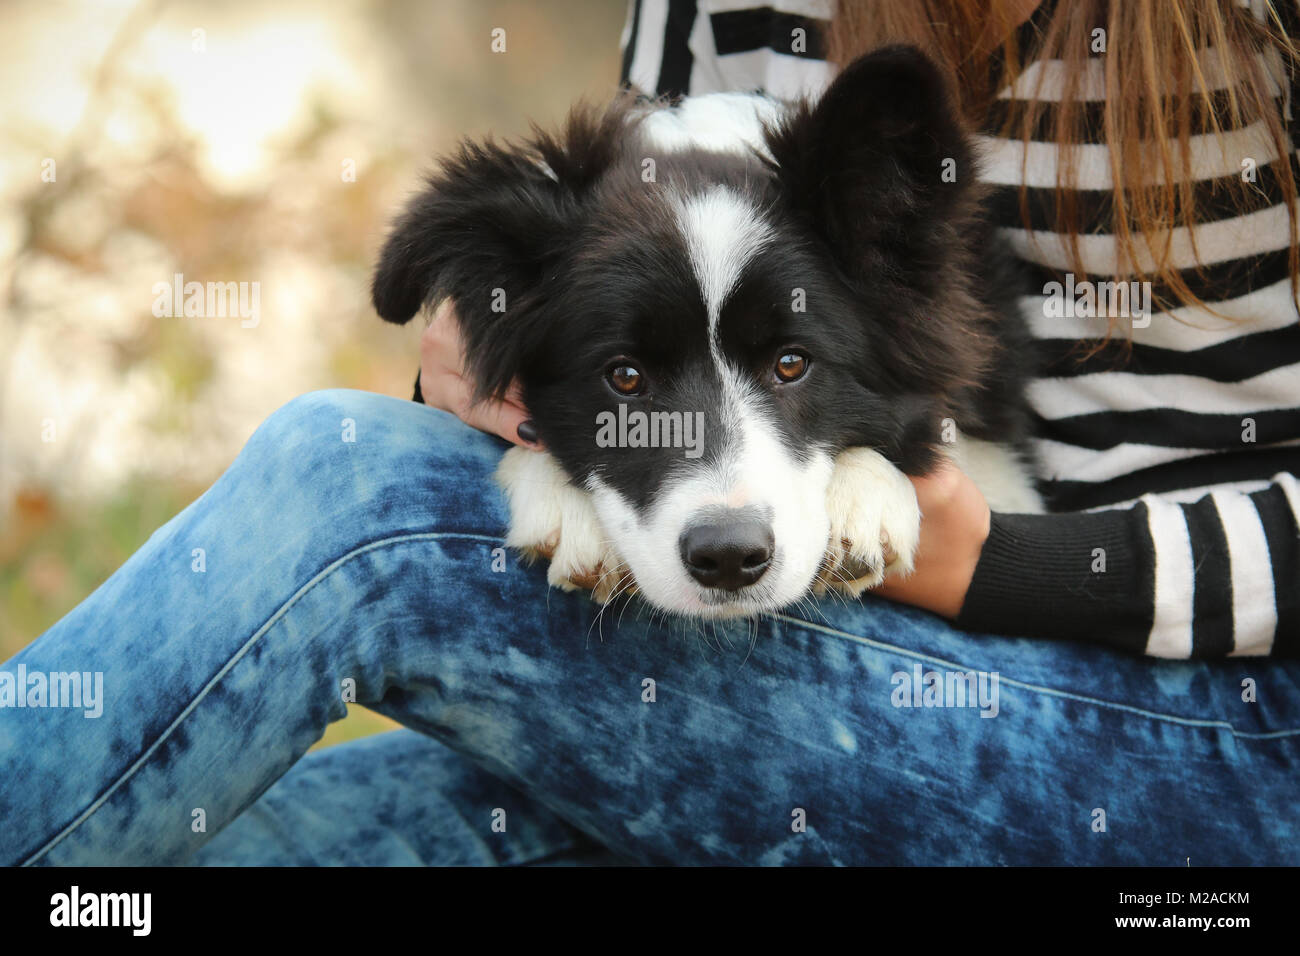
(739, 325)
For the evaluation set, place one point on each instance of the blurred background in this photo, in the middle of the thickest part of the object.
(232, 142)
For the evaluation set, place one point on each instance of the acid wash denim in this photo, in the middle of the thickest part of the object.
(353, 551)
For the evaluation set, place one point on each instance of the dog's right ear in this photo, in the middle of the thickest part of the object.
(866, 163)
(487, 230)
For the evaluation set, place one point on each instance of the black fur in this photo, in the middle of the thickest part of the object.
(911, 314)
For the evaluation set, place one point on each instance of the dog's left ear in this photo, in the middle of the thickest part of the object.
(487, 232)
(881, 170)
(878, 162)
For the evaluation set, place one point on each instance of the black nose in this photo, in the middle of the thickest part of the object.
(729, 554)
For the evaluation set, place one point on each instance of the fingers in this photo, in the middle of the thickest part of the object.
(440, 346)
(444, 385)
(501, 418)
(454, 393)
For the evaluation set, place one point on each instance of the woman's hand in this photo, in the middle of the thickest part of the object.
(954, 526)
(444, 384)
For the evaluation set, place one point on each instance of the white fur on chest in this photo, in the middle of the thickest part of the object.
(998, 473)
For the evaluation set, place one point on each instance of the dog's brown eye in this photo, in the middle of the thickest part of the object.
(791, 366)
(625, 379)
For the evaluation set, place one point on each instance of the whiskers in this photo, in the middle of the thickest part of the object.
(616, 585)
(623, 583)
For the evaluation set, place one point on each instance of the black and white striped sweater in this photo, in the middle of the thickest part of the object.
(1171, 468)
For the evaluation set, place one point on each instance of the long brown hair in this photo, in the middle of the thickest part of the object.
(1146, 123)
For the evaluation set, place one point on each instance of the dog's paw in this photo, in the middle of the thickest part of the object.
(552, 519)
(875, 523)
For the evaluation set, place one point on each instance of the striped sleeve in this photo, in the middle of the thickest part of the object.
(1215, 577)
(686, 47)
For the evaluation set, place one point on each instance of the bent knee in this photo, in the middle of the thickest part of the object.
(379, 425)
(374, 453)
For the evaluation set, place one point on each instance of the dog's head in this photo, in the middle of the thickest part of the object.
(705, 304)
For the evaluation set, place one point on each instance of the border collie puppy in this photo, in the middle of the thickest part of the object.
(739, 325)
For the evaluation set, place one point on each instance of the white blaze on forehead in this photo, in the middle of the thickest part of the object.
(723, 233)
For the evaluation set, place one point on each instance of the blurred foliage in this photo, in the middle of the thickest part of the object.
(213, 140)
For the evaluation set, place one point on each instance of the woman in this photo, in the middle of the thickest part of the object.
(318, 570)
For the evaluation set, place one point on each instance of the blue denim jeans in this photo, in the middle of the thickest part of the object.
(353, 551)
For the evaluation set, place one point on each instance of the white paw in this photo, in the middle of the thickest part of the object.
(551, 518)
(875, 523)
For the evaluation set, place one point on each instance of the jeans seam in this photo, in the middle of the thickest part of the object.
(234, 659)
(1040, 689)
